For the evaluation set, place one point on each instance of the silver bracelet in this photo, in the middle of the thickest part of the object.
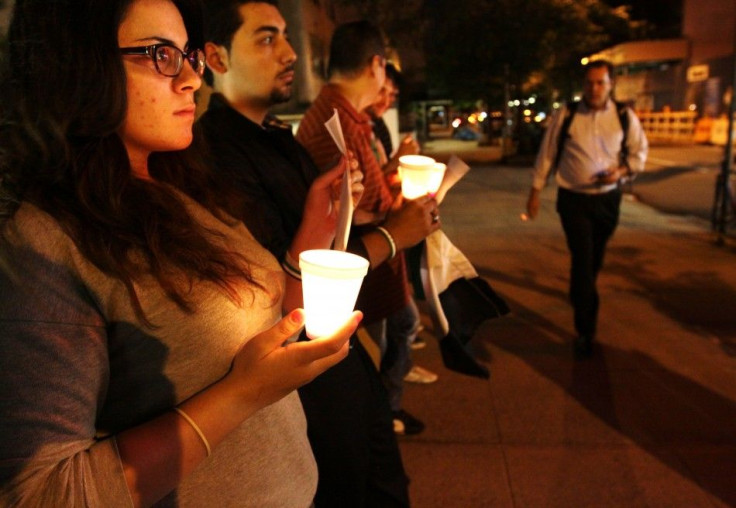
(389, 239)
(196, 428)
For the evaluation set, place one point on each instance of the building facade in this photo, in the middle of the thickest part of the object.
(694, 72)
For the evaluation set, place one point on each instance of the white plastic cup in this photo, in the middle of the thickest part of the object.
(436, 176)
(331, 281)
(420, 175)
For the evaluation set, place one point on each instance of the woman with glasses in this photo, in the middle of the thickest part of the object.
(142, 355)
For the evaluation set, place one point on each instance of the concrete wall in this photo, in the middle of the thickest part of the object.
(709, 25)
(310, 29)
(654, 74)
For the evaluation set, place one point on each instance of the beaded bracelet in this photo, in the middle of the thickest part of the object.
(389, 239)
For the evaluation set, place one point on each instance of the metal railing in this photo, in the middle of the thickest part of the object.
(668, 126)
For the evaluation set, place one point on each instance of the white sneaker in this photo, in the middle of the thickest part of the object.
(420, 375)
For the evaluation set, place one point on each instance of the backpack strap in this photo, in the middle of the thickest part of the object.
(570, 109)
(623, 118)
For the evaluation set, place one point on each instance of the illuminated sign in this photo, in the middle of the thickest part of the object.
(697, 73)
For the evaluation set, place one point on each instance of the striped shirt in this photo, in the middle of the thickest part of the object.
(385, 289)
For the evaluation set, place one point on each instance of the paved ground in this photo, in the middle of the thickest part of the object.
(649, 421)
(681, 180)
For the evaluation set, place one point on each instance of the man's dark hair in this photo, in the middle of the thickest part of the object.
(599, 64)
(221, 20)
(352, 47)
(394, 75)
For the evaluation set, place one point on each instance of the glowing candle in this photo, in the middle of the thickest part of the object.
(331, 281)
(420, 175)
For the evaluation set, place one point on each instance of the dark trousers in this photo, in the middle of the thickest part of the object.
(350, 428)
(589, 220)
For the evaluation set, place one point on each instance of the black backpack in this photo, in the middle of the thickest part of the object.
(570, 111)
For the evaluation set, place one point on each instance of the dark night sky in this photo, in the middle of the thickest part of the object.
(666, 15)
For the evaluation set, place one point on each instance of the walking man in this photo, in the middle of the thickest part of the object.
(593, 146)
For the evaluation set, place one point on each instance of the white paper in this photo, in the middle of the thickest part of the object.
(345, 216)
(456, 169)
(335, 129)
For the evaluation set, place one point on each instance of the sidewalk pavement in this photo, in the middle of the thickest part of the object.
(648, 421)
(469, 151)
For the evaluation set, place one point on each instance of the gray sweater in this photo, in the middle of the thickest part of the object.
(77, 367)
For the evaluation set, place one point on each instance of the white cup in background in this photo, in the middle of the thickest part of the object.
(420, 175)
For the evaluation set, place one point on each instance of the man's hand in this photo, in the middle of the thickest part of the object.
(319, 220)
(408, 146)
(336, 180)
(411, 222)
(265, 370)
(532, 203)
(611, 175)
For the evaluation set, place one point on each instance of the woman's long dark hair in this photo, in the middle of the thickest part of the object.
(64, 89)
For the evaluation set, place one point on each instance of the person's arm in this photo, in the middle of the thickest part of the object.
(532, 203)
(543, 164)
(403, 228)
(318, 224)
(54, 372)
(407, 146)
(268, 205)
(158, 454)
(637, 144)
(407, 226)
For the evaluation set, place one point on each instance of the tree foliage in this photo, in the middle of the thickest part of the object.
(528, 43)
(402, 21)
(474, 47)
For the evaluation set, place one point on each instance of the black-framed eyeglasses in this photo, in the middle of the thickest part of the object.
(168, 59)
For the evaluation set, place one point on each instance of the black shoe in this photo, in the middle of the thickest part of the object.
(406, 424)
(583, 346)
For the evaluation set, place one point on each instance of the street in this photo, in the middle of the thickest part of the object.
(680, 179)
(648, 421)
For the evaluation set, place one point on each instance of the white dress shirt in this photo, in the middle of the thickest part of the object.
(593, 145)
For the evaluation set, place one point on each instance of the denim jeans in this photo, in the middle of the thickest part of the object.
(394, 336)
